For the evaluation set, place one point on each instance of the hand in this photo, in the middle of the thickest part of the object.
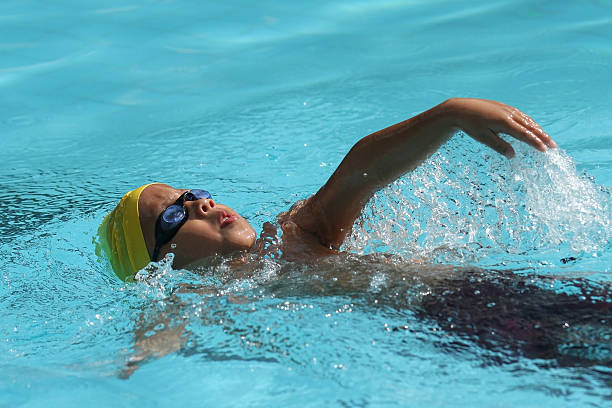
(483, 120)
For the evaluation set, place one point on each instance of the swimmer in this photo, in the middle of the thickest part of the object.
(157, 219)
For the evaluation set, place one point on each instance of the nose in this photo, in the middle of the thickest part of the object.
(202, 206)
(208, 204)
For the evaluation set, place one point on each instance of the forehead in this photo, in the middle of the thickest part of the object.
(156, 198)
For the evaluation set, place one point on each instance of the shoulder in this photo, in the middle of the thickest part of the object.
(300, 227)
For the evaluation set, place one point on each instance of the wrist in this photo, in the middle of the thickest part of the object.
(448, 114)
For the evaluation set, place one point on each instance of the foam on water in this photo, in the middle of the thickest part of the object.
(466, 205)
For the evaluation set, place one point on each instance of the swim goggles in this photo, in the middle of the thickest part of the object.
(173, 218)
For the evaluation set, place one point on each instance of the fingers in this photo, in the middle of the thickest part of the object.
(528, 123)
(529, 137)
(484, 119)
(522, 127)
(496, 143)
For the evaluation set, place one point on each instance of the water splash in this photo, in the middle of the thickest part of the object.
(219, 275)
(466, 205)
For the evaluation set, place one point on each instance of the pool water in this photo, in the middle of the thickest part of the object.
(473, 281)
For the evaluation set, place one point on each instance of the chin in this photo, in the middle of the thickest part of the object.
(244, 237)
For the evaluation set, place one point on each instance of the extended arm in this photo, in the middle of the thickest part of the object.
(380, 158)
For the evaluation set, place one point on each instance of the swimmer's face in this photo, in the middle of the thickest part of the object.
(209, 230)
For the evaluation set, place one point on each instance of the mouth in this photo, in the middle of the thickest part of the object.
(225, 219)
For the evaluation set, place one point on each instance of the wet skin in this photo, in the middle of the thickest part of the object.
(207, 231)
(211, 228)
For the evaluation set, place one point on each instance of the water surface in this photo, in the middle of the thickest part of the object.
(258, 104)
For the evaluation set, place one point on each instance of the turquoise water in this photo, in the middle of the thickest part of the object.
(258, 104)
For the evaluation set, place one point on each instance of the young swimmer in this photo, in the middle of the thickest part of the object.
(156, 219)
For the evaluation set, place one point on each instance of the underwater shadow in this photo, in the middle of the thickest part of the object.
(563, 319)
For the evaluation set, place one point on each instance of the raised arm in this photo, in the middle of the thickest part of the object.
(380, 158)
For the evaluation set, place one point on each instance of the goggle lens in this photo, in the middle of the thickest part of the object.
(173, 214)
(197, 195)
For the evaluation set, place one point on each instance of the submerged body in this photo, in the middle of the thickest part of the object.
(513, 314)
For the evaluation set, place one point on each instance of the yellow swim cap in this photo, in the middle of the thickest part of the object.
(121, 238)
